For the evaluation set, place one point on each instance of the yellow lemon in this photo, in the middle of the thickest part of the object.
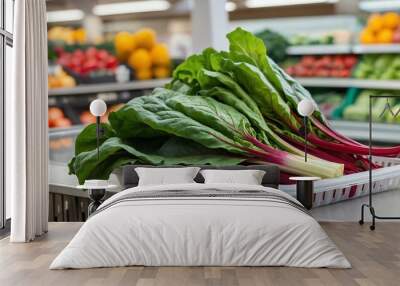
(140, 59)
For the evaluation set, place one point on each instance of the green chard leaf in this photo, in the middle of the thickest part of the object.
(261, 90)
(293, 91)
(87, 139)
(209, 79)
(219, 116)
(245, 47)
(115, 153)
(188, 70)
(154, 112)
(227, 97)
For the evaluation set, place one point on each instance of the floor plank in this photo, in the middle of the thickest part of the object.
(375, 257)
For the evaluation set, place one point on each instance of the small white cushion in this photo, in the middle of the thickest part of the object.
(166, 176)
(245, 177)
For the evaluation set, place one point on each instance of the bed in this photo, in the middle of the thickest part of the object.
(197, 224)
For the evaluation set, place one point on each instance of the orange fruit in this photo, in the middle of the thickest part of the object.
(140, 59)
(160, 55)
(80, 36)
(143, 74)
(124, 43)
(375, 22)
(391, 20)
(145, 38)
(367, 37)
(53, 82)
(69, 36)
(161, 72)
(122, 56)
(385, 36)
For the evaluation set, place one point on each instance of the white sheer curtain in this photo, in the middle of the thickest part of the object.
(26, 124)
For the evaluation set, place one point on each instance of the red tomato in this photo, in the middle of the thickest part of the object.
(323, 73)
(76, 62)
(62, 122)
(91, 52)
(301, 71)
(79, 54)
(308, 61)
(335, 73)
(318, 64)
(102, 55)
(290, 70)
(338, 63)
(55, 113)
(326, 61)
(350, 61)
(101, 65)
(64, 60)
(59, 51)
(87, 118)
(345, 73)
(90, 65)
(111, 62)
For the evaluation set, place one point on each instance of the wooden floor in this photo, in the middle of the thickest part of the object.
(375, 257)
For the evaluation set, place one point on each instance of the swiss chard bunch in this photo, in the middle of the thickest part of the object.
(221, 108)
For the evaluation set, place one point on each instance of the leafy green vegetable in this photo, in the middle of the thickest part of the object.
(210, 79)
(87, 139)
(213, 114)
(264, 94)
(245, 47)
(115, 153)
(221, 108)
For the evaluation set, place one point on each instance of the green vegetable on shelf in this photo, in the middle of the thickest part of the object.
(390, 118)
(359, 110)
(383, 67)
(276, 43)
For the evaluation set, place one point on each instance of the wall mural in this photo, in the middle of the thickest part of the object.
(228, 108)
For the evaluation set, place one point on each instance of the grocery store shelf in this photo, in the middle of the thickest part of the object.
(319, 50)
(381, 132)
(376, 49)
(62, 132)
(349, 82)
(343, 49)
(109, 87)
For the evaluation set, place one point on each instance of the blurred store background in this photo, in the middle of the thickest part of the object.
(341, 50)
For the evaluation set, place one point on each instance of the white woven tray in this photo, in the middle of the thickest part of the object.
(347, 187)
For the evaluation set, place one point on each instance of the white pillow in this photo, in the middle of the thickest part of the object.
(166, 176)
(243, 177)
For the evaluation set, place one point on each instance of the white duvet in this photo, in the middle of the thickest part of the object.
(200, 231)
